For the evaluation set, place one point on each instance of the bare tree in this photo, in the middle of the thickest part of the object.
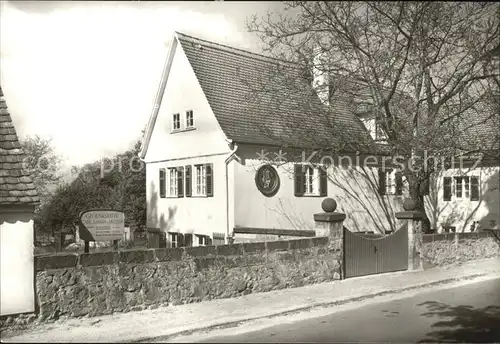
(426, 71)
(44, 163)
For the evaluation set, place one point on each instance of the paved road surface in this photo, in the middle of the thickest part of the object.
(469, 313)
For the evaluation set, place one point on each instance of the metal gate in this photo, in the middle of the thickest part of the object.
(374, 254)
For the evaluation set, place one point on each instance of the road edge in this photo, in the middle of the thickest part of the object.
(343, 301)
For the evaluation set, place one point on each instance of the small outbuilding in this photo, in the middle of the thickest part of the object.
(18, 198)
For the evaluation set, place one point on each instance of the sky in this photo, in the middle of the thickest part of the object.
(85, 73)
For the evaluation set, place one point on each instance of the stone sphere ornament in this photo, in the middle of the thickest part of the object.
(329, 205)
(409, 204)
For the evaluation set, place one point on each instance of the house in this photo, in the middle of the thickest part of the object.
(466, 197)
(18, 199)
(209, 136)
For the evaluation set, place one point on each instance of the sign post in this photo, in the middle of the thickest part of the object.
(101, 225)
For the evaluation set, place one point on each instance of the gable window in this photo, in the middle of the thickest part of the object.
(461, 187)
(374, 127)
(390, 182)
(176, 121)
(203, 180)
(189, 119)
(310, 181)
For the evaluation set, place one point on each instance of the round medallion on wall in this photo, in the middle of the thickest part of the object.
(267, 180)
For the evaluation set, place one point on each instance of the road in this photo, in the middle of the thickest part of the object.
(468, 313)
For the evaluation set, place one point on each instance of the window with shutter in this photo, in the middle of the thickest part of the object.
(474, 190)
(180, 181)
(188, 182)
(310, 181)
(299, 177)
(447, 188)
(162, 183)
(210, 180)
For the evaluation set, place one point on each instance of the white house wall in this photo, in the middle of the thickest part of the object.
(354, 195)
(196, 215)
(461, 213)
(182, 93)
(16, 259)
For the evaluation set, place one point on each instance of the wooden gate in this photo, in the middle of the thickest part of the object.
(367, 254)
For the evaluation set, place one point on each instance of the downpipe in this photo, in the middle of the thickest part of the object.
(234, 147)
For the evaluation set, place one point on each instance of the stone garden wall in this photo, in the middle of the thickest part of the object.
(74, 285)
(453, 248)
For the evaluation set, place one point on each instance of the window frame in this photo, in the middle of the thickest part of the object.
(461, 188)
(174, 121)
(173, 243)
(192, 126)
(320, 177)
(311, 186)
(175, 183)
(199, 178)
(203, 240)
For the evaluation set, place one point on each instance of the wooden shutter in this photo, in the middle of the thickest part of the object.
(474, 188)
(210, 180)
(399, 183)
(381, 181)
(300, 181)
(447, 188)
(188, 180)
(162, 183)
(180, 181)
(323, 181)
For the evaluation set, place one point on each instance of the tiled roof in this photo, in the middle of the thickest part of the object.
(16, 186)
(260, 100)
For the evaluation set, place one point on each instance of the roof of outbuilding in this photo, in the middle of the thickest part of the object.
(261, 100)
(16, 185)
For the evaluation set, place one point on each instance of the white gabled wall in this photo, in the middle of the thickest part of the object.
(205, 144)
(182, 93)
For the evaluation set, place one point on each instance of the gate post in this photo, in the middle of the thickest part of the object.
(330, 224)
(414, 220)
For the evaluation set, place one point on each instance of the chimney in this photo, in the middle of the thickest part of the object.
(321, 76)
